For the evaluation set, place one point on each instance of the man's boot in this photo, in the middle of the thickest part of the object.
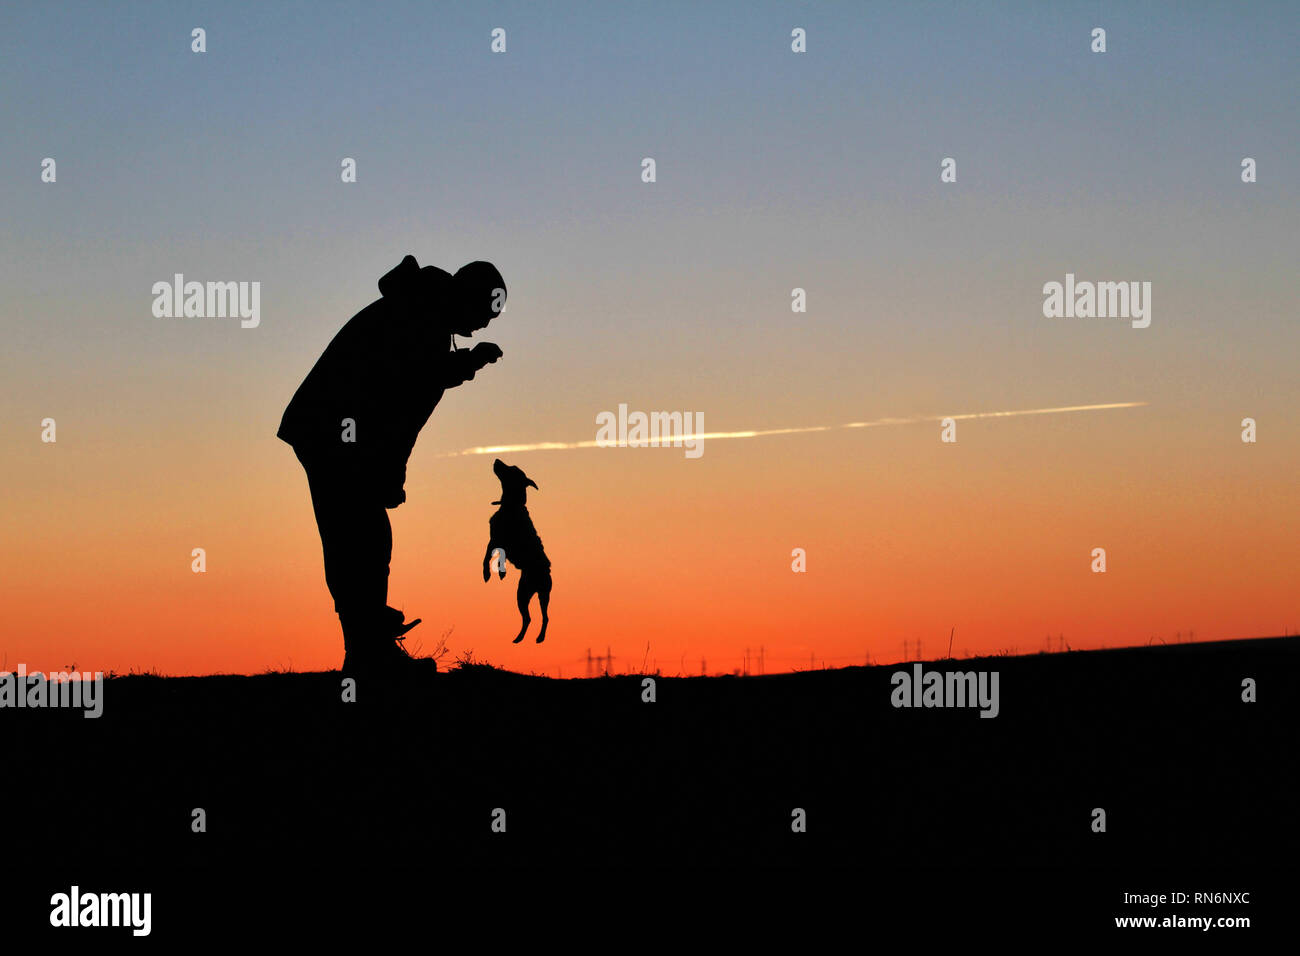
(392, 658)
(370, 645)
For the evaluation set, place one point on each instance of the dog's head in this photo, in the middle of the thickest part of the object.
(514, 483)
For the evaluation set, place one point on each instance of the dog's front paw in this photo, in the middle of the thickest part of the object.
(502, 573)
(487, 574)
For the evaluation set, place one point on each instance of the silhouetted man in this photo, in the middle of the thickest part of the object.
(354, 421)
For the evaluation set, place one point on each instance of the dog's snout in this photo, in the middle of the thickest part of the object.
(511, 474)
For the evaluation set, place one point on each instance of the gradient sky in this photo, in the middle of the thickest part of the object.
(775, 170)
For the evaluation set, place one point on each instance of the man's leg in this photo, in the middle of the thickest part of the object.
(357, 543)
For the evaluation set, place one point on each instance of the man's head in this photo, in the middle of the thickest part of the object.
(480, 295)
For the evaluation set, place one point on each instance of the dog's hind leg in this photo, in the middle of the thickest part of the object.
(523, 596)
(544, 600)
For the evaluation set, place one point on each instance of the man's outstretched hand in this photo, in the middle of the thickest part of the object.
(462, 364)
(485, 353)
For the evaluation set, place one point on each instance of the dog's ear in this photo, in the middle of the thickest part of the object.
(529, 481)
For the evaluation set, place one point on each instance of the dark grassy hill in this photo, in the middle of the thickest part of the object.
(293, 779)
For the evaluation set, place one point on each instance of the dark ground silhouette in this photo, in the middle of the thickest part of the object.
(402, 784)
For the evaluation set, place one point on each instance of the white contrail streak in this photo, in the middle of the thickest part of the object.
(763, 432)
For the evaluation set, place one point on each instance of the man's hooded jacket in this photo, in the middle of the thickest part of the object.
(386, 370)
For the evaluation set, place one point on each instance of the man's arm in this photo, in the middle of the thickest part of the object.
(414, 397)
(399, 430)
